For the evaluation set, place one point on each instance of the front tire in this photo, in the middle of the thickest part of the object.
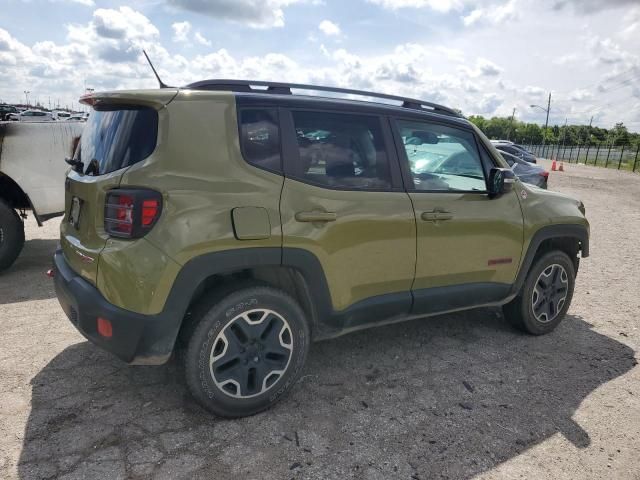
(545, 296)
(11, 235)
(247, 351)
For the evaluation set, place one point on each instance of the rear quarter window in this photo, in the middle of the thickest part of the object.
(117, 137)
(260, 138)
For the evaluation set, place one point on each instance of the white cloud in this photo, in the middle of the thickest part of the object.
(631, 23)
(199, 38)
(580, 95)
(493, 14)
(255, 13)
(488, 104)
(181, 31)
(124, 23)
(567, 59)
(459, 72)
(329, 28)
(483, 67)
(437, 5)
(533, 91)
(608, 52)
(86, 3)
(590, 6)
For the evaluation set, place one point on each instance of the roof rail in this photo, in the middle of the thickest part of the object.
(285, 89)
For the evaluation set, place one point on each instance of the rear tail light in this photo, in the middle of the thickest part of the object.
(131, 213)
(545, 174)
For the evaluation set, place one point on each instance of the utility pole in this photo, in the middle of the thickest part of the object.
(546, 123)
(513, 114)
(564, 136)
(586, 158)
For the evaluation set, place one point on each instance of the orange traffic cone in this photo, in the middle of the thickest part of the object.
(561, 168)
(553, 166)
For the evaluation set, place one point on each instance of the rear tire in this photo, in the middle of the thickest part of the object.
(11, 235)
(247, 350)
(545, 296)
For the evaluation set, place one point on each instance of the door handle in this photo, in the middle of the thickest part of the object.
(436, 215)
(316, 216)
(429, 216)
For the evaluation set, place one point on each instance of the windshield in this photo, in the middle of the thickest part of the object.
(117, 137)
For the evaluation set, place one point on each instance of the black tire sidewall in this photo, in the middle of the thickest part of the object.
(530, 323)
(13, 233)
(213, 320)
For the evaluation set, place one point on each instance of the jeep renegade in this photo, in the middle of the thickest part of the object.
(236, 224)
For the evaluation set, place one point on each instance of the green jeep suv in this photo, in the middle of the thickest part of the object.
(235, 222)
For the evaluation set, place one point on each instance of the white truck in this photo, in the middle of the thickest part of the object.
(32, 176)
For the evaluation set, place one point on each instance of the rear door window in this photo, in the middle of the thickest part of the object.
(341, 150)
(117, 137)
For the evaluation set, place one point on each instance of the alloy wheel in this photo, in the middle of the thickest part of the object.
(251, 353)
(550, 293)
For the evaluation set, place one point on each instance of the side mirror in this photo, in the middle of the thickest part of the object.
(501, 181)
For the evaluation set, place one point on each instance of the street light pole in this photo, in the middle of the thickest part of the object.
(546, 123)
(26, 97)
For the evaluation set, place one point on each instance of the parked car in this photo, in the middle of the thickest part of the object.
(527, 172)
(514, 149)
(60, 115)
(6, 110)
(216, 220)
(77, 118)
(32, 173)
(36, 116)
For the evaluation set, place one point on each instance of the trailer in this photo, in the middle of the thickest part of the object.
(32, 176)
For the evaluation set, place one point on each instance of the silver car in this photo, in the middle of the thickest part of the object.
(527, 172)
(36, 116)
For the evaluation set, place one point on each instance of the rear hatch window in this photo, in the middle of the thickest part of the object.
(116, 137)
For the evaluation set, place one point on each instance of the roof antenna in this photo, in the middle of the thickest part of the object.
(162, 84)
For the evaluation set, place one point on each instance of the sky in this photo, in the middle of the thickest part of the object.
(482, 57)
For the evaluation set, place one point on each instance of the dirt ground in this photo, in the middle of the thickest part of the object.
(458, 396)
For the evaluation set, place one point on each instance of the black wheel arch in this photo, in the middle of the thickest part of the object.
(569, 238)
(15, 197)
(296, 271)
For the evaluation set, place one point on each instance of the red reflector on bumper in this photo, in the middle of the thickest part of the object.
(104, 328)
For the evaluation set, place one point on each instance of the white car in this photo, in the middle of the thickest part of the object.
(32, 176)
(60, 115)
(36, 116)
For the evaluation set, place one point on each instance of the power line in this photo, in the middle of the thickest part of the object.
(633, 69)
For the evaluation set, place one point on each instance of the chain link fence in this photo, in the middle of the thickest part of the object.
(625, 157)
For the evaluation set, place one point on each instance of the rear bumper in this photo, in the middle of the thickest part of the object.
(136, 338)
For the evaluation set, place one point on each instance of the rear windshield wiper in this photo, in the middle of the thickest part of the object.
(76, 165)
(93, 168)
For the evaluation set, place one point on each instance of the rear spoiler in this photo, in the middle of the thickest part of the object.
(156, 98)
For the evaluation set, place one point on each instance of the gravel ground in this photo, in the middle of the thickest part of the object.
(457, 396)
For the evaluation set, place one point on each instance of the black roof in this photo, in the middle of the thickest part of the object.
(283, 90)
